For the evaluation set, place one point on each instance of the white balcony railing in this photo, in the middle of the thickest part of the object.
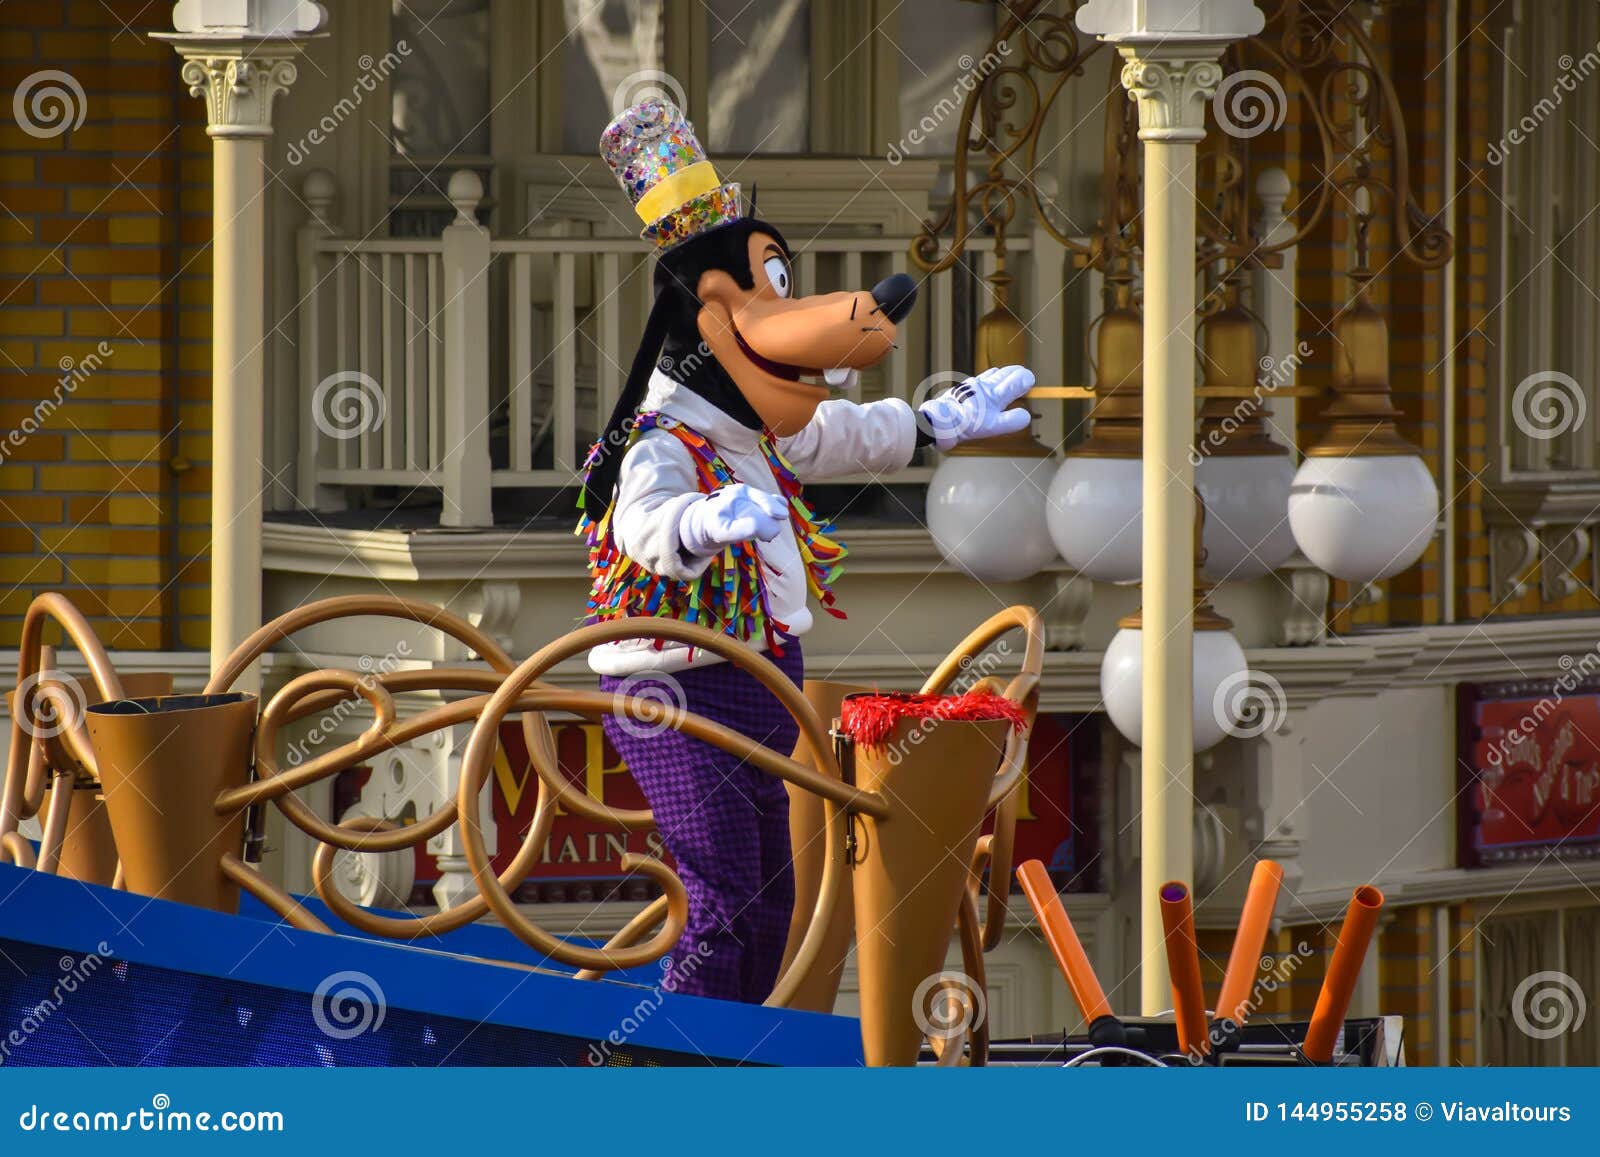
(468, 362)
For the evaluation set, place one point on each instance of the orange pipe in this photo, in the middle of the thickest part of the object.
(1183, 961)
(1233, 1003)
(1063, 940)
(1360, 922)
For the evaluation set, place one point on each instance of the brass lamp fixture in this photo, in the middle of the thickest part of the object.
(1362, 464)
(1244, 475)
(1324, 58)
(1220, 668)
(986, 499)
(1096, 495)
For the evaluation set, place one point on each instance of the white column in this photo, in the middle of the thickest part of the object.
(1172, 90)
(1171, 50)
(237, 58)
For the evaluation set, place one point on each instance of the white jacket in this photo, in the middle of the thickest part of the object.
(657, 481)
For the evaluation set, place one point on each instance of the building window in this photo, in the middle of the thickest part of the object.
(1549, 240)
(1541, 980)
(940, 46)
(439, 95)
(614, 49)
(759, 78)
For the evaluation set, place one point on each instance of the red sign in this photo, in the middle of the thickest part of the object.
(581, 861)
(1532, 756)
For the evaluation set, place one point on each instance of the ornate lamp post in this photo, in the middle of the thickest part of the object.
(238, 55)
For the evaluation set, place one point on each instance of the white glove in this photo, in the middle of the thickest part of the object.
(733, 513)
(977, 407)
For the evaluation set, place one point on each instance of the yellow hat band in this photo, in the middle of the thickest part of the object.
(677, 189)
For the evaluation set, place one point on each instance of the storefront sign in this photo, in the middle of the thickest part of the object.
(1530, 758)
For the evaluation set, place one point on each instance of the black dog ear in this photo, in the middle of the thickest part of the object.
(606, 463)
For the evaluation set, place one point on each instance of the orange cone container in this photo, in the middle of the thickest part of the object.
(1360, 923)
(819, 989)
(1234, 1002)
(911, 867)
(85, 850)
(163, 762)
(1183, 962)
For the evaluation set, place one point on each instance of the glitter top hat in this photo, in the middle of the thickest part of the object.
(655, 155)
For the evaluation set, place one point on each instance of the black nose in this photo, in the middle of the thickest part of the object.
(895, 295)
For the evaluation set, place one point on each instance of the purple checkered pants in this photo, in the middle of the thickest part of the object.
(725, 823)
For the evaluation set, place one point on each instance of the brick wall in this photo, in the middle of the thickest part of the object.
(104, 326)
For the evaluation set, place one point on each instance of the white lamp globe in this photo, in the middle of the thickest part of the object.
(986, 514)
(1246, 533)
(1094, 516)
(1366, 517)
(1218, 661)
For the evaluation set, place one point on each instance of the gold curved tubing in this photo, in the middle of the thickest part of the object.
(568, 795)
(1025, 619)
(446, 622)
(440, 922)
(37, 780)
(59, 609)
(55, 823)
(629, 934)
(273, 897)
(38, 768)
(346, 755)
(15, 849)
(69, 748)
(270, 785)
(480, 748)
(972, 950)
(973, 1045)
(1004, 799)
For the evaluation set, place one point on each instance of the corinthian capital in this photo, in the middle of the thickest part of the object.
(1172, 90)
(239, 90)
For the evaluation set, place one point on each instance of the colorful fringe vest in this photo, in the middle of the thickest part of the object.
(730, 595)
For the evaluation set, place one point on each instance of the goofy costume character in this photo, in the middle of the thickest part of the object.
(692, 507)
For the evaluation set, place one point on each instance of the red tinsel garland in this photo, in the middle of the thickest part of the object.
(869, 719)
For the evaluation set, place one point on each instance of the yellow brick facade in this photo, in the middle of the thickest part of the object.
(104, 317)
